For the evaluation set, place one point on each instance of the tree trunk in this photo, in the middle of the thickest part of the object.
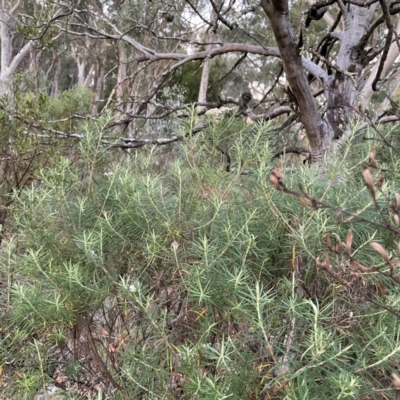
(318, 132)
(81, 72)
(9, 63)
(121, 80)
(205, 73)
(6, 51)
(98, 89)
(56, 80)
(341, 90)
(340, 87)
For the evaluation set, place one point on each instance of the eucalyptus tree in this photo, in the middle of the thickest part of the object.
(24, 26)
(329, 77)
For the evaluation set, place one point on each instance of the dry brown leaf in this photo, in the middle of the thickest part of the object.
(105, 332)
(379, 248)
(397, 195)
(302, 201)
(278, 173)
(379, 182)
(274, 180)
(359, 266)
(370, 184)
(349, 241)
(111, 348)
(324, 264)
(382, 289)
(339, 217)
(368, 177)
(371, 158)
(396, 381)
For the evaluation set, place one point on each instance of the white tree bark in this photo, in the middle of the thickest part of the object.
(81, 66)
(56, 80)
(121, 78)
(205, 76)
(98, 88)
(205, 73)
(9, 63)
(367, 92)
(342, 91)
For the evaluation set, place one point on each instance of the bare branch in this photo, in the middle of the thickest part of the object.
(220, 16)
(361, 3)
(269, 115)
(198, 13)
(389, 36)
(294, 150)
(319, 204)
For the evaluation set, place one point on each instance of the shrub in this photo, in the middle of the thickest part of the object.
(198, 283)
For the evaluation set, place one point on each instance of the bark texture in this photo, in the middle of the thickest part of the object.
(342, 85)
(9, 63)
(317, 131)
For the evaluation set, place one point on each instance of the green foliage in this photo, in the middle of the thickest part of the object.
(197, 283)
(30, 127)
(188, 80)
(69, 103)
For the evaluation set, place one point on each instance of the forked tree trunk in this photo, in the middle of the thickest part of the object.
(340, 88)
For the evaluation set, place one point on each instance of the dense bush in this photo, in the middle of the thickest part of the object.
(31, 127)
(200, 283)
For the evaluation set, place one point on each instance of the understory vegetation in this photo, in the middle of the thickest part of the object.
(202, 280)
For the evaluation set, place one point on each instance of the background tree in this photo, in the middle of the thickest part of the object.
(341, 59)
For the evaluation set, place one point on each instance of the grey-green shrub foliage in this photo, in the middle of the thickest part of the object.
(194, 283)
(31, 125)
